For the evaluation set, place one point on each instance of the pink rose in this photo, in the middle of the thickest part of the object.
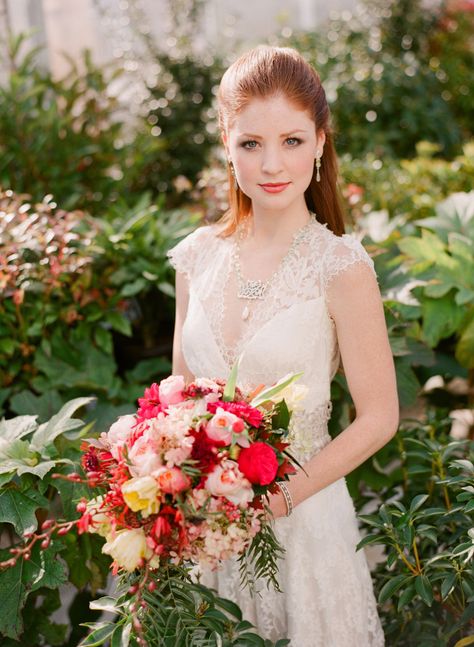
(144, 456)
(227, 480)
(222, 425)
(119, 433)
(173, 480)
(171, 390)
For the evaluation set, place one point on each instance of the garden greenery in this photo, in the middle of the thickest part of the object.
(86, 306)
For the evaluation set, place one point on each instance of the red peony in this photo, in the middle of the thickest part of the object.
(252, 416)
(258, 463)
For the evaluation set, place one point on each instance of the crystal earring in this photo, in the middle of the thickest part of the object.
(232, 170)
(317, 164)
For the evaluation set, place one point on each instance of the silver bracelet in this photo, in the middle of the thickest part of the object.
(287, 496)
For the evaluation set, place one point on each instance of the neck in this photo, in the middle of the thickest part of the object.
(273, 227)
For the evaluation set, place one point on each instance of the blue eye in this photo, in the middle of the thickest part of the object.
(294, 139)
(246, 144)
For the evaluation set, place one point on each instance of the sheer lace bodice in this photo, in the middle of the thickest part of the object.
(290, 330)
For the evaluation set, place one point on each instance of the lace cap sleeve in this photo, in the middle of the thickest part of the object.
(185, 256)
(342, 253)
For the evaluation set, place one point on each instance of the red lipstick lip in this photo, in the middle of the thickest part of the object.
(275, 184)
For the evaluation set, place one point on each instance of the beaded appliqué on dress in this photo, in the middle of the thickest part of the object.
(309, 431)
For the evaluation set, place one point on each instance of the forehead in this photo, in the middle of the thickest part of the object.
(271, 115)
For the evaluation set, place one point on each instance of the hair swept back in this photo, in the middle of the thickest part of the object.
(263, 72)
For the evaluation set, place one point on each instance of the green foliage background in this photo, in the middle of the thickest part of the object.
(86, 294)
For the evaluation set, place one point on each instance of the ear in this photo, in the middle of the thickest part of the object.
(320, 141)
(225, 142)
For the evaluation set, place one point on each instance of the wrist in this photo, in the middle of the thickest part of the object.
(286, 496)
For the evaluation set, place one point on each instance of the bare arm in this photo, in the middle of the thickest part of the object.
(182, 300)
(356, 307)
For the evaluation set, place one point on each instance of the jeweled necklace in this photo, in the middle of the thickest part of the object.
(252, 289)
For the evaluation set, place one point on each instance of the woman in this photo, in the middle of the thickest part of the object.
(276, 282)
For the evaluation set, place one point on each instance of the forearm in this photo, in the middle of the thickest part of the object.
(360, 440)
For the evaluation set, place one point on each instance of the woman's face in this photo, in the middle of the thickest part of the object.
(272, 145)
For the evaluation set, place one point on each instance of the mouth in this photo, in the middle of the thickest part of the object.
(274, 187)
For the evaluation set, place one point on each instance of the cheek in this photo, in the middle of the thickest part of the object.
(245, 164)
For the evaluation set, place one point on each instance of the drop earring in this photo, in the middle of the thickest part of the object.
(317, 164)
(232, 170)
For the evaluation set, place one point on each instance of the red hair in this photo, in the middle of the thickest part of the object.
(264, 72)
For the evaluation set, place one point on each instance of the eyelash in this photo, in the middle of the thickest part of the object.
(252, 141)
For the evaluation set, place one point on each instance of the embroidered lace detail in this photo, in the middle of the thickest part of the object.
(308, 431)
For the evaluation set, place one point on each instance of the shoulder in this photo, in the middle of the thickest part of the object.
(342, 256)
(186, 255)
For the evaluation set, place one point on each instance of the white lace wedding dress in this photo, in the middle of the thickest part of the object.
(327, 598)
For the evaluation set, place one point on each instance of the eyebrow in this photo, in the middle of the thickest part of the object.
(292, 132)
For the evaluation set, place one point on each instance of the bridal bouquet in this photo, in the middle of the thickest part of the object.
(183, 482)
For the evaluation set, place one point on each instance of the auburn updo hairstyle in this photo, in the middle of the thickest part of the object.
(264, 72)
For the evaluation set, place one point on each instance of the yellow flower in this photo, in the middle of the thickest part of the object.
(127, 548)
(142, 494)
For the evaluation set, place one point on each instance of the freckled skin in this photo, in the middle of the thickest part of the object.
(282, 150)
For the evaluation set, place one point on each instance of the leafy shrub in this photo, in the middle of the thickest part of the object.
(426, 581)
(59, 136)
(70, 296)
(393, 73)
(408, 188)
(29, 453)
(179, 115)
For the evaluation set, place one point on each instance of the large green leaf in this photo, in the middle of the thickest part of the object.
(42, 570)
(441, 318)
(424, 589)
(13, 597)
(19, 509)
(428, 247)
(58, 424)
(44, 405)
(16, 428)
(407, 382)
(92, 369)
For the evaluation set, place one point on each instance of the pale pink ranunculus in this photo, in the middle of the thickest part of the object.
(119, 433)
(221, 426)
(144, 456)
(172, 480)
(227, 480)
(171, 389)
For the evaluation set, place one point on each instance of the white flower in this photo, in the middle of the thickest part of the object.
(127, 548)
(119, 433)
(293, 394)
(463, 420)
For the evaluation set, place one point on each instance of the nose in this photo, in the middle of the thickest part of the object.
(272, 162)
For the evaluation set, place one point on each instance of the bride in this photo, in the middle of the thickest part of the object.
(277, 282)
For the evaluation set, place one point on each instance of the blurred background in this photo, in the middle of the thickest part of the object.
(109, 154)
